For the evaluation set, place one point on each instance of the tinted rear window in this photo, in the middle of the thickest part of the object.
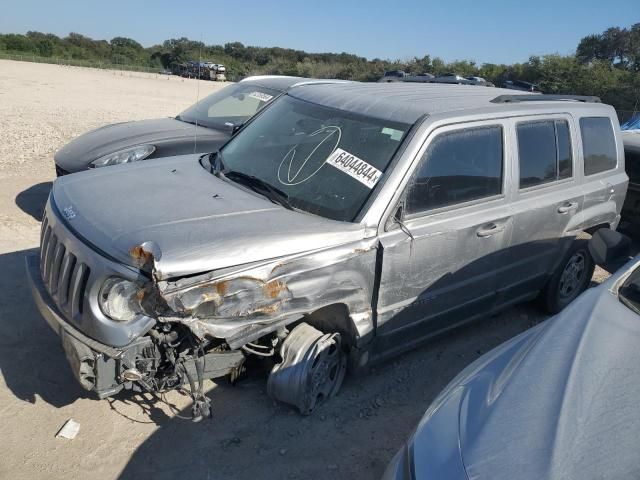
(598, 144)
(458, 167)
(544, 149)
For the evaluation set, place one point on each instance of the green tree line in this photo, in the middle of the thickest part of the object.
(605, 64)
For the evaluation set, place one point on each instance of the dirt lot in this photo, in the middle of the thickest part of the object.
(250, 436)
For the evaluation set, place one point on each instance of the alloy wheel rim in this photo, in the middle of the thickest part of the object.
(572, 275)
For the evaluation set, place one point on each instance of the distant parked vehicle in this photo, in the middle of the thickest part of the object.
(631, 208)
(401, 76)
(203, 127)
(520, 85)
(452, 78)
(479, 81)
(217, 72)
(393, 76)
(559, 401)
(419, 78)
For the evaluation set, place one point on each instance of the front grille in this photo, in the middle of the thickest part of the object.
(64, 277)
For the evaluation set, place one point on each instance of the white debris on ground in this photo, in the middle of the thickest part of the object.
(69, 430)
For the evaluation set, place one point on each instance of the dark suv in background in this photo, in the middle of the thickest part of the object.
(631, 209)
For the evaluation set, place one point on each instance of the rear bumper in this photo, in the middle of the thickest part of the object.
(94, 364)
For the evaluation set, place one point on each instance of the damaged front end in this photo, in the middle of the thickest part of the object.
(143, 332)
(295, 312)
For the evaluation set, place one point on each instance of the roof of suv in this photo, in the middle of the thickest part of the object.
(284, 82)
(403, 102)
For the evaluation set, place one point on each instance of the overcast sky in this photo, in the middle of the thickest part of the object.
(497, 31)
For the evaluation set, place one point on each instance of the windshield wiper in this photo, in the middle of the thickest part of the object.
(258, 185)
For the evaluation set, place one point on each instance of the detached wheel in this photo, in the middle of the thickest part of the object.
(312, 369)
(570, 279)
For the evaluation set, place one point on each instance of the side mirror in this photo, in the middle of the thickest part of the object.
(609, 249)
(399, 212)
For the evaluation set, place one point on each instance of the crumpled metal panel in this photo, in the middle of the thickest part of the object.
(246, 304)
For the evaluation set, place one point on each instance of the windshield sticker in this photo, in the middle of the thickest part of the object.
(393, 133)
(355, 167)
(292, 171)
(263, 97)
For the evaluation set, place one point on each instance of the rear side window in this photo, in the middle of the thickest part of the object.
(598, 144)
(544, 150)
(458, 167)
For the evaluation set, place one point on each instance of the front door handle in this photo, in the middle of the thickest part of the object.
(489, 229)
(567, 207)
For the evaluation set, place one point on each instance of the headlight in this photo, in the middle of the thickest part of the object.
(125, 156)
(119, 300)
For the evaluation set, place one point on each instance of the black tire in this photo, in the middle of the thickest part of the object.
(570, 279)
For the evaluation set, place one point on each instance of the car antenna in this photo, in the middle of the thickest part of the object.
(195, 128)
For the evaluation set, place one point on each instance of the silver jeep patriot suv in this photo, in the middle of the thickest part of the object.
(343, 224)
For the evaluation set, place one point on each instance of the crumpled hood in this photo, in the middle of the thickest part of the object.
(563, 403)
(199, 222)
(170, 136)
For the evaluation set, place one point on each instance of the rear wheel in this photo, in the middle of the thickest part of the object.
(570, 279)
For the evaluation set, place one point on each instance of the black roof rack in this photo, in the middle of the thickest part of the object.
(545, 98)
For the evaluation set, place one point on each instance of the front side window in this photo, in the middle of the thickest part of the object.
(598, 145)
(458, 167)
(544, 149)
(229, 107)
(326, 161)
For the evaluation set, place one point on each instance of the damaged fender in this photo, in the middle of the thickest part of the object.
(258, 299)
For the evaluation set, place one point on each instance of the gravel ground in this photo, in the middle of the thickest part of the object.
(250, 436)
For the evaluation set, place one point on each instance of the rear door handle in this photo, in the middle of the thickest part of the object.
(567, 207)
(489, 229)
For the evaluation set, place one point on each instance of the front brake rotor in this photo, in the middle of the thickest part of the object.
(312, 369)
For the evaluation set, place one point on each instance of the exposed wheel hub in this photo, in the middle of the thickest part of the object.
(312, 369)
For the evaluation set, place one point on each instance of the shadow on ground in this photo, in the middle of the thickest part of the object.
(33, 200)
(31, 357)
(353, 436)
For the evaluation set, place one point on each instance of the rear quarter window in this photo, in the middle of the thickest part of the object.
(544, 150)
(598, 145)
